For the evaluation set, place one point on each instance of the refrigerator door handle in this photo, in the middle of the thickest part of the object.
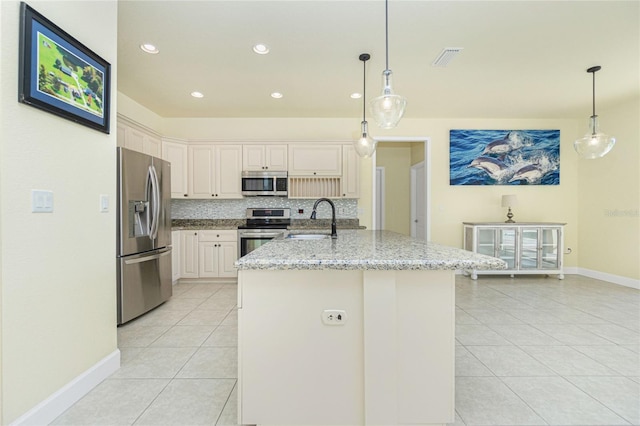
(153, 189)
(140, 259)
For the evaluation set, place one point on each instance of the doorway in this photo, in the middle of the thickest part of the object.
(416, 184)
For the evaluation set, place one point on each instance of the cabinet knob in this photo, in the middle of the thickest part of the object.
(195, 233)
(218, 236)
(186, 195)
(314, 173)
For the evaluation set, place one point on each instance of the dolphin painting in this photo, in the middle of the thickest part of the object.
(490, 165)
(530, 173)
(499, 146)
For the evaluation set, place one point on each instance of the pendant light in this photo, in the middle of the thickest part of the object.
(594, 144)
(388, 108)
(365, 146)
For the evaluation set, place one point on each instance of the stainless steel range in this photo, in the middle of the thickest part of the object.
(262, 225)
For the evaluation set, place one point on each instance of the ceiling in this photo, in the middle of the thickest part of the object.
(520, 59)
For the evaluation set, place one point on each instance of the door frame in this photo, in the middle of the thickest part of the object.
(427, 176)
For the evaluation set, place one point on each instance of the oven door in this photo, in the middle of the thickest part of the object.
(251, 239)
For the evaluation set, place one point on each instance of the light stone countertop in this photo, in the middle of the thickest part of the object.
(367, 250)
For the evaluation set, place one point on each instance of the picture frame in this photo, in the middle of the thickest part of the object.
(504, 157)
(60, 75)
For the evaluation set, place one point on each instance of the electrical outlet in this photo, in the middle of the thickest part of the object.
(334, 317)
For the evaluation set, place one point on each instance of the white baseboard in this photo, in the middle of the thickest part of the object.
(603, 276)
(614, 279)
(56, 404)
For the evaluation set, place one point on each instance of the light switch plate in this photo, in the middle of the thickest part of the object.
(104, 203)
(41, 201)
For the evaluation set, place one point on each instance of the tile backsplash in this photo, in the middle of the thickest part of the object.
(236, 209)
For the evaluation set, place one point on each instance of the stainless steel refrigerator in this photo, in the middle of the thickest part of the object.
(144, 233)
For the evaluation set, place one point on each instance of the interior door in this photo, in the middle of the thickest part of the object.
(418, 217)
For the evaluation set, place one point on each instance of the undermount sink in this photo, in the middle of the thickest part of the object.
(308, 236)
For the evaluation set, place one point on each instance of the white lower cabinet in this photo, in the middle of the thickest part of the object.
(527, 248)
(209, 254)
(175, 255)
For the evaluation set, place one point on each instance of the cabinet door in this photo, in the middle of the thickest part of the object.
(134, 140)
(208, 259)
(529, 252)
(276, 157)
(253, 157)
(152, 146)
(175, 255)
(550, 248)
(189, 254)
(228, 254)
(201, 169)
(350, 172)
(228, 171)
(315, 160)
(507, 246)
(177, 155)
(486, 241)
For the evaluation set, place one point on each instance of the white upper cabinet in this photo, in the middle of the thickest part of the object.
(201, 180)
(315, 160)
(177, 155)
(350, 172)
(264, 157)
(139, 140)
(214, 171)
(228, 171)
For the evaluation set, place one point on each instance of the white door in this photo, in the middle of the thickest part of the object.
(380, 199)
(418, 218)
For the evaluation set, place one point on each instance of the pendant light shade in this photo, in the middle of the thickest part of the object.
(388, 108)
(594, 144)
(365, 146)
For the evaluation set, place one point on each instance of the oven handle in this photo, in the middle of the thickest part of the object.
(260, 234)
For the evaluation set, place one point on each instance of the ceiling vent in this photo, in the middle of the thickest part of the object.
(446, 56)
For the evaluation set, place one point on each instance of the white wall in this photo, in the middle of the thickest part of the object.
(58, 269)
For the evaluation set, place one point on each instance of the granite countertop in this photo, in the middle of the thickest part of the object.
(179, 224)
(200, 224)
(367, 250)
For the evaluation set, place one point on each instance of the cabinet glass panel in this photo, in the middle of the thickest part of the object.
(487, 241)
(549, 256)
(529, 249)
(507, 246)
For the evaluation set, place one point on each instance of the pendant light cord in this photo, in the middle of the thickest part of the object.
(364, 89)
(386, 29)
(594, 93)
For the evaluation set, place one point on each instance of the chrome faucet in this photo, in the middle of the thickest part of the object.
(334, 234)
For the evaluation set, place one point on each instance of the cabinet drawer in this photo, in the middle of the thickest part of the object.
(221, 235)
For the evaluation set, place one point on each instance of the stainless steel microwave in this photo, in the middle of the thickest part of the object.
(267, 183)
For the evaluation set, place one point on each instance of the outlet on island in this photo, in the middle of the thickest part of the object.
(334, 317)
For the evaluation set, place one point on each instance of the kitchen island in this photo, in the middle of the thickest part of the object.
(349, 331)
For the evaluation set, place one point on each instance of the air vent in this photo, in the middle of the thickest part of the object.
(446, 56)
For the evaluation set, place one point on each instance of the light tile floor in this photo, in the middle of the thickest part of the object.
(529, 351)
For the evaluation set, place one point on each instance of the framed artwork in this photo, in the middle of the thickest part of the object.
(60, 75)
(504, 157)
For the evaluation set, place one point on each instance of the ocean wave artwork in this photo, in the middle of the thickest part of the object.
(504, 157)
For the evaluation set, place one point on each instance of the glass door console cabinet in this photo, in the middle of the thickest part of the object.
(527, 247)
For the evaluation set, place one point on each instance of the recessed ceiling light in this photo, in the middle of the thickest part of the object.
(356, 95)
(276, 95)
(149, 48)
(261, 49)
(197, 95)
